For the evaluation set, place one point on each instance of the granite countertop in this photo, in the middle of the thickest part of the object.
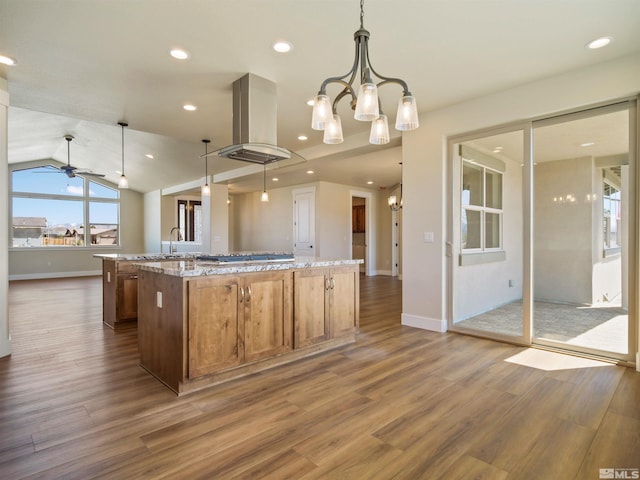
(193, 268)
(147, 256)
(177, 255)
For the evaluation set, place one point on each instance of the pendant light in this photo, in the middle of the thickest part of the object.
(394, 205)
(123, 182)
(206, 191)
(366, 103)
(265, 195)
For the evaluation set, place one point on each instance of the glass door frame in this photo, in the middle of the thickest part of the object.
(527, 127)
(527, 205)
(631, 106)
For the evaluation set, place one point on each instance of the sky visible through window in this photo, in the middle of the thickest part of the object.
(67, 211)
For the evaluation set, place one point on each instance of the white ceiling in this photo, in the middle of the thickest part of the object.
(85, 65)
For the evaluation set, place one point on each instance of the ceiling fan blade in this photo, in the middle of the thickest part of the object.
(90, 174)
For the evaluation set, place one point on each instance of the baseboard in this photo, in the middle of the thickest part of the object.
(424, 323)
(43, 275)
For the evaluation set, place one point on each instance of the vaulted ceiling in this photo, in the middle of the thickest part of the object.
(83, 66)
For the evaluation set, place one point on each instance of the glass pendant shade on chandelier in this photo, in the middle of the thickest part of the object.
(206, 191)
(123, 182)
(366, 103)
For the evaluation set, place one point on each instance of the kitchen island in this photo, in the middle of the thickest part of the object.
(202, 322)
(120, 284)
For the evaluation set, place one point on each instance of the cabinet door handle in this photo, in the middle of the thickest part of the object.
(241, 294)
(333, 284)
(248, 293)
(327, 284)
(133, 277)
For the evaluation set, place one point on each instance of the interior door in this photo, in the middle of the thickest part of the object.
(304, 222)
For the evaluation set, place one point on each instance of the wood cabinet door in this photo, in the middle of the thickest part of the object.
(310, 304)
(216, 328)
(267, 314)
(127, 307)
(343, 301)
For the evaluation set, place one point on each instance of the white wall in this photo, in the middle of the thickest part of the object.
(152, 222)
(563, 231)
(424, 161)
(5, 338)
(259, 226)
(263, 226)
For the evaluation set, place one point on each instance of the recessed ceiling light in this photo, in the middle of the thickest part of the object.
(310, 172)
(179, 54)
(275, 179)
(599, 43)
(189, 107)
(282, 46)
(7, 60)
(310, 102)
(148, 155)
(302, 137)
(587, 144)
(369, 182)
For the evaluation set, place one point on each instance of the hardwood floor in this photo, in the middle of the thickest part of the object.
(400, 403)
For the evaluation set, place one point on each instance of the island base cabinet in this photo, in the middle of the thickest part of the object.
(236, 320)
(161, 327)
(195, 332)
(326, 304)
(119, 293)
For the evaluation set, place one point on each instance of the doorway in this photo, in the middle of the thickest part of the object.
(541, 233)
(362, 227)
(359, 230)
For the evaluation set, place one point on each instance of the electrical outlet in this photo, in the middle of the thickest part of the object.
(108, 277)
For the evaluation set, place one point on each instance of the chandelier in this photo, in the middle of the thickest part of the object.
(366, 103)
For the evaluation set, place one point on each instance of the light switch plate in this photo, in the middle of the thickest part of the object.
(159, 299)
(428, 237)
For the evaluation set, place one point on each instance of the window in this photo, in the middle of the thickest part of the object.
(50, 209)
(190, 220)
(481, 208)
(612, 221)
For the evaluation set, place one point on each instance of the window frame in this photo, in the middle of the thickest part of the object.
(607, 249)
(86, 199)
(482, 209)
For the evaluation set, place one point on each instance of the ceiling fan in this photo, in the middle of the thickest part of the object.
(69, 170)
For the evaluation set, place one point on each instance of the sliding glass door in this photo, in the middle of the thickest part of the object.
(583, 206)
(541, 236)
(486, 235)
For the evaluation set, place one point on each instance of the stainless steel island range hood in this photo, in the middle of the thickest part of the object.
(255, 112)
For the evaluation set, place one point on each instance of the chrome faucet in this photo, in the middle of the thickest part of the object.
(172, 247)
